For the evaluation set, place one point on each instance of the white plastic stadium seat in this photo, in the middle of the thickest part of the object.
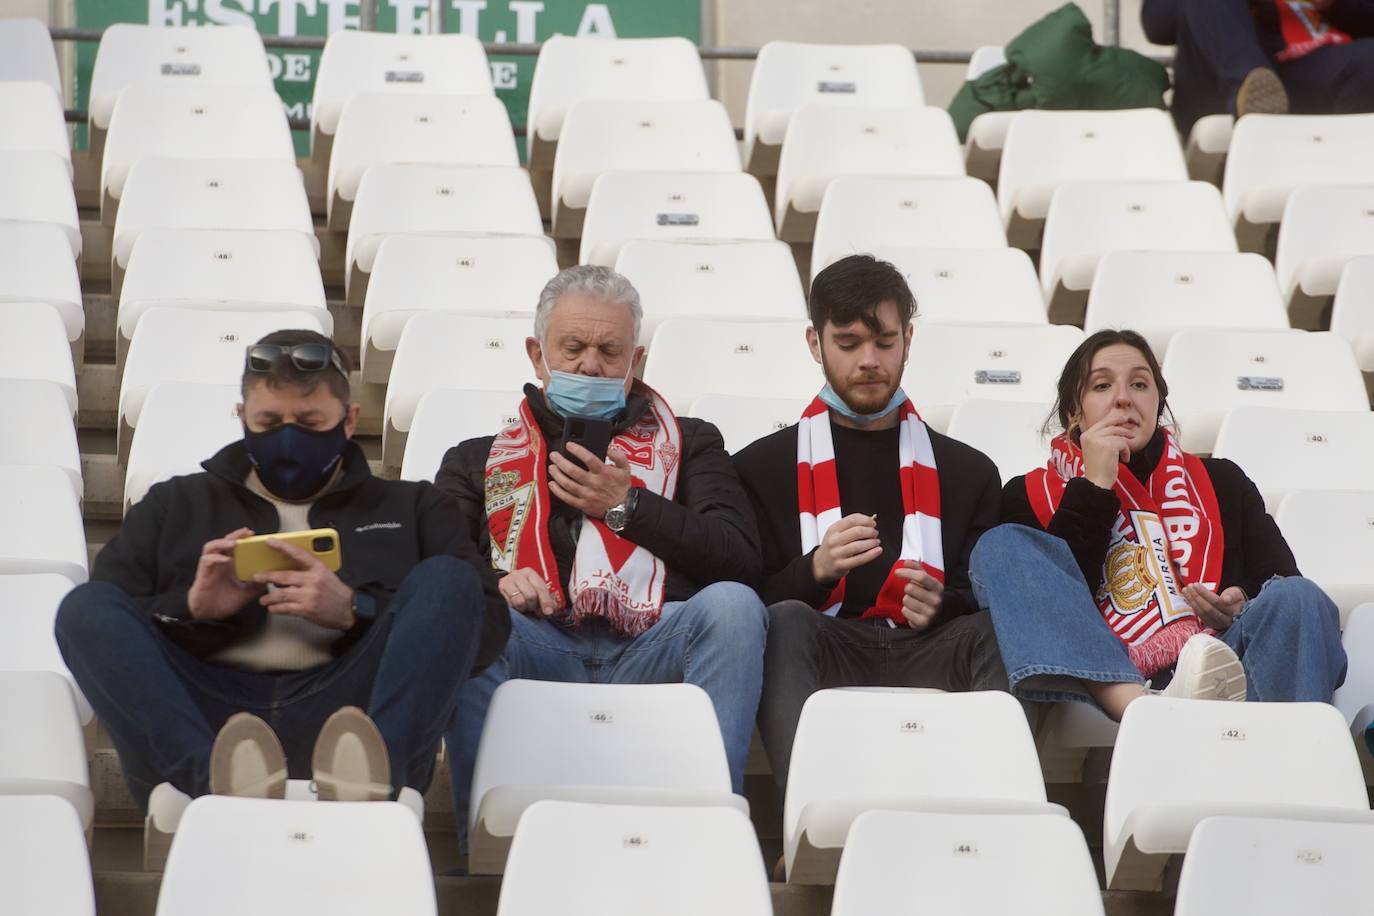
(131, 54)
(1271, 155)
(1208, 143)
(36, 266)
(619, 860)
(1045, 149)
(861, 212)
(951, 363)
(1351, 316)
(221, 194)
(228, 270)
(1091, 218)
(718, 280)
(33, 115)
(434, 129)
(1011, 433)
(1323, 228)
(1331, 534)
(824, 142)
(1283, 450)
(899, 862)
(1160, 293)
(1272, 867)
(181, 425)
(28, 610)
(447, 349)
(985, 58)
(27, 53)
(969, 285)
(789, 74)
(921, 751)
(600, 136)
(630, 744)
(34, 346)
(343, 858)
(1212, 371)
(1280, 760)
(742, 420)
(570, 70)
(445, 417)
(750, 358)
(36, 426)
(1355, 697)
(671, 206)
(44, 864)
(42, 751)
(490, 275)
(188, 345)
(355, 61)
(190, 122)
(983, 143)
(36, 188)
(398, 199)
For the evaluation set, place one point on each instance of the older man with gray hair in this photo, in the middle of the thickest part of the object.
(621, 555)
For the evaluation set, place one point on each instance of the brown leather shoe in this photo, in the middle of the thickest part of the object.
(247, 759)
(350, 760)
(1261, 92)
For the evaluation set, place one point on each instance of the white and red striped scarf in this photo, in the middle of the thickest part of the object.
(611, 577)
(1167, 535)
(818, 498)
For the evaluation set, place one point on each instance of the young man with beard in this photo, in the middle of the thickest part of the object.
(867, 518)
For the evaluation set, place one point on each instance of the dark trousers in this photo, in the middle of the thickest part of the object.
(1219, 43)
(809, 651)
(163, 707)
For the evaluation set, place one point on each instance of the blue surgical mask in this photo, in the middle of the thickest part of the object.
(837, 404)
(295, 463)
(573, 395)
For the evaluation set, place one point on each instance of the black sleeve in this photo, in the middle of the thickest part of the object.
(958, 599)
(1353, 16)
(1159, 20)
(130, 560)
(457, 479)
(1266, 552)
(443, 533)
(1084, 521)
(708, 533)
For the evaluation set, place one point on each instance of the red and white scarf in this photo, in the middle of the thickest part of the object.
(611, 577)
(818, 498)
(1167, 535)
(1305, 29)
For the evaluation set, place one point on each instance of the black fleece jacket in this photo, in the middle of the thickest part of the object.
(1254, 549)
(969, 487)
(705, 534)
(385, 528)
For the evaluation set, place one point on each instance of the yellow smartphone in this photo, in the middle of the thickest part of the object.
(253, 555)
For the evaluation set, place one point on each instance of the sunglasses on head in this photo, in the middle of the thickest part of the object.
(306, 357)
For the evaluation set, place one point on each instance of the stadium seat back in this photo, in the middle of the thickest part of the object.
(36, 265)
(693, 357)
(444, 417)
(181, 425)
(969, 285)
(1351, 316)
(1011, 433)
(1271, 155)
(616, 860)
(712, 280)
(1331, 534)
(44, 864)
(36, 187)
(1283, 450)
(28, 611)
(34, 346)
(42, 750)
(34, 116)
(862, 212)
(1324, 226)
(742, 420)
(36, 426)
(27, 53)
(1212, 371)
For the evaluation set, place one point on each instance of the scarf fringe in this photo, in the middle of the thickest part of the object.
(1161, 649)
(599, 602)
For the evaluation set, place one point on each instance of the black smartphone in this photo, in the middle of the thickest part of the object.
(593, 435)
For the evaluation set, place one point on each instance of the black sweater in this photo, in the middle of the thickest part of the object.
(1254, 549)
(969, 487)
(705, 534)
(385, 528)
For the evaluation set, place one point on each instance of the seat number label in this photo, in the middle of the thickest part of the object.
(1259, 383)
(997, 377)
(678, 219)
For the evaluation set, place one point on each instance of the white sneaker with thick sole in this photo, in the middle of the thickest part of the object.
(1207, 669)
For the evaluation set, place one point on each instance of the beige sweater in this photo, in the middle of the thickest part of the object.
(287, 643)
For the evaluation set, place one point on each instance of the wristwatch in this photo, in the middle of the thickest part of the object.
(617, 517)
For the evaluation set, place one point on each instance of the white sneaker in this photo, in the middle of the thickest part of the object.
(1207, 669)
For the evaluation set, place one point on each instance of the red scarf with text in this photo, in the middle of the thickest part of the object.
(1167, 535)
(818, 498)
(1304, 29)
(611, 577)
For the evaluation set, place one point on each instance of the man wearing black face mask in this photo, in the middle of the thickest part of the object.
(216, 685)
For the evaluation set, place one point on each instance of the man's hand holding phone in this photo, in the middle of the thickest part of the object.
(310, 591)
(216, 592)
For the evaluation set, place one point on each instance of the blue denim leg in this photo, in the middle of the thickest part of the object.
(1049, 629)
(715, 640)
(161, 706)
(1288, 638)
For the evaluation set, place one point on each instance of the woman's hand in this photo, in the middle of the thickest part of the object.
(1105, 444)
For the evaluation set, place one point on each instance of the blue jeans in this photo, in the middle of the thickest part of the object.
(714, 639)
(163, 706)
(1053, 637)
